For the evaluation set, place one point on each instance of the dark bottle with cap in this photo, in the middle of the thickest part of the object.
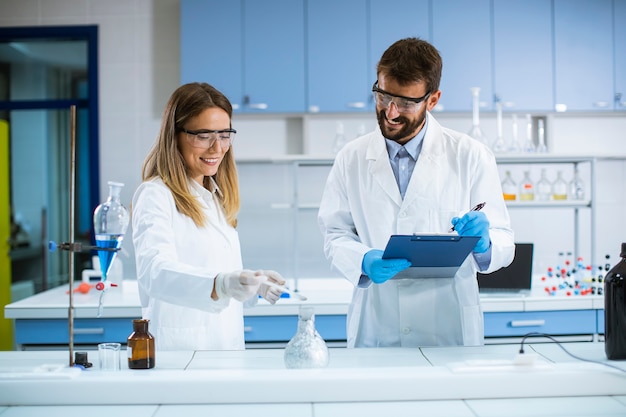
(140, 346)
(615, 309)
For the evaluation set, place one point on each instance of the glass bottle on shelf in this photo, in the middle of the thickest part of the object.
(559, 187)
(509, 188)
(544, 187)
(340, 138)
(615, 310)
(541, 137)
(527, 188)
(140, 346)
(515, 144)
(475, 131)
(306, 349)
(499, 146)
(576, 187)
(529, 144)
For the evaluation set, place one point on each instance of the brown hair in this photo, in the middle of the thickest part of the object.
(166, 162)
(410, 60)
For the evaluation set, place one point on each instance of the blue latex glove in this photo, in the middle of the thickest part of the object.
(380, 270)
(474, 223)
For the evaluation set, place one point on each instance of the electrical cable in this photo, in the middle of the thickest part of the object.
(521, 350)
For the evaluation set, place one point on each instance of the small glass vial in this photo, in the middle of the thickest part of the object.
(527, 188)
(615, 309)
(559, 187)
(140, 347)
(544, 187)
(576, 187)
(306, 349)
(509, 188)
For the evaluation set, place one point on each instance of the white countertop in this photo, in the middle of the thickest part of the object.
(327, 296)
(454, 377)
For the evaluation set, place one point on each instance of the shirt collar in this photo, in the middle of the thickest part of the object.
(412, 146)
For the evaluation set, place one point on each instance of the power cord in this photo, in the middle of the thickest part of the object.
(521, 350)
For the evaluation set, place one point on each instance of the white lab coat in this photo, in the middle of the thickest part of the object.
(176, 267)
(361, 207)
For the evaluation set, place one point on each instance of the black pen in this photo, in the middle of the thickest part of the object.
(477, 207)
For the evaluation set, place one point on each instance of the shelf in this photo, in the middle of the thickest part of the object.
(549, 204)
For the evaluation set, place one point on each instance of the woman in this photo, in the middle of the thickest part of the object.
(189, 268)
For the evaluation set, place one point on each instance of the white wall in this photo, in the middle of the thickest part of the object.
(139, 68)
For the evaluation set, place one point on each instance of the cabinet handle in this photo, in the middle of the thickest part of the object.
(247, 329)
(356, 105)
(601, 104)
(257, 106)
(527, 323)
(89, 330)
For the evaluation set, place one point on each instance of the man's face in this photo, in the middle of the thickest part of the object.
(396, 123)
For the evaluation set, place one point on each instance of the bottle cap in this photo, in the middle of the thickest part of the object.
(623, 253)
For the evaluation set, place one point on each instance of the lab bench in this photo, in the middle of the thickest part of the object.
(41, 320)
(479, 381)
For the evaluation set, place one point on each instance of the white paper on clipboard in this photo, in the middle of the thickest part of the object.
(431, 256)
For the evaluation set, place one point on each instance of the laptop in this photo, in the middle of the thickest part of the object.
(513, 280)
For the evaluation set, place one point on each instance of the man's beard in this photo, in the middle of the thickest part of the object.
(408, 130)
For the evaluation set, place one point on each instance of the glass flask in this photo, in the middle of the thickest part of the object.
(140, 346)
(559, 187)
(576, 187)
(475, 131)
(110, 221)
(306, 349)
(509, 188)
(541, 137)
(615, 309)
(544, 187)
(515, 146)
(529, 144)
(340, 138)
(526, 188)
(499, 146)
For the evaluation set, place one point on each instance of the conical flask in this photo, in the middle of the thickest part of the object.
(306, 349)
(110, 221)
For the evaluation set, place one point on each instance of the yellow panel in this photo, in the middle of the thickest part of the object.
(6, 325)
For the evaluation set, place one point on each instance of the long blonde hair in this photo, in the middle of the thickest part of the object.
(166, 162)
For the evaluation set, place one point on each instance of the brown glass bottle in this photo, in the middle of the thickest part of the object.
(615, 310)
(140, 346)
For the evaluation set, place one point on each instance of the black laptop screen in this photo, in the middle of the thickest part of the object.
(515, 277)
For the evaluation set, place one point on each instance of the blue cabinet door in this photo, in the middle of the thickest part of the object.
(583, 42)
(392, 20)
(211, 45)
(337, 76)
(462, 34)
(274, 53)
(619, 22)
(522, 53)
(251, 51)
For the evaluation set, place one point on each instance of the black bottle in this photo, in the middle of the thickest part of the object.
(140, 346)
(615, 309)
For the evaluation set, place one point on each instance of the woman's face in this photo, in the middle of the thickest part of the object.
(201, 161)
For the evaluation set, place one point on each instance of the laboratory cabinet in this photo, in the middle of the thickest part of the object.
(522, 53)
(252, 51)
(583, 55)
(573, 322)
(282, 56)
(462, 34)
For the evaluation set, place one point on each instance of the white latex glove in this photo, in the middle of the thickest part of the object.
(240, 285)
(270, 293)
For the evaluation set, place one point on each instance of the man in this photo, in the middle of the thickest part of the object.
(412, 176)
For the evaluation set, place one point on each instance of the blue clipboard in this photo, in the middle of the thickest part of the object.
(431, 256)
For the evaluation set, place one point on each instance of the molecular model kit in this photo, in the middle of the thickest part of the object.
(574, 278)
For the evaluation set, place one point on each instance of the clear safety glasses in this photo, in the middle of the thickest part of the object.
(403, 104)
(205, 139)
